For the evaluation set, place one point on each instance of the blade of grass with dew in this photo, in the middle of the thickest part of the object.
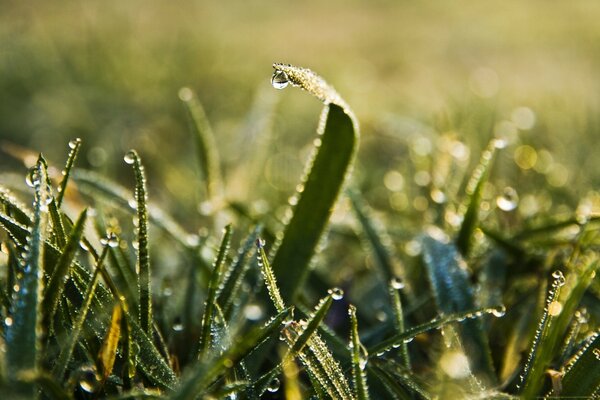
(211, 297)
(58, 228)
(474, 191)
(359, 359)
(56, 283)
(332, 159)
(531, 379)
(206, 145)
(108, 352)
(74, 145)
(399, 321)
(453, 292)
(234, 276)
(143, 253)
(203, 373)
(581, 375)
(405, 377)
(374, 238)
(97, 186)
(60, 367)
(269, 276)
(23, 335)
(14, 208)
(408, 335)
(391, 385)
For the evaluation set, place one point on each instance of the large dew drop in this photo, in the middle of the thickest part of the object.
(279, 80)
(509, 200)
(129, 157)
(336, 293)
(274, 385)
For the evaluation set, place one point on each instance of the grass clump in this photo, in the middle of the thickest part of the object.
(104, 295)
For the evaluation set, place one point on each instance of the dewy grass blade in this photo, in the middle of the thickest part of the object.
(269, 277)
(399, 320)
(582, 376)
(56, 283)
(359, 359)
(206, 145)
(74, 145)
(454, 293)
(211, 298)
(143, 253)
(327, 170)
(474, 191)
(23, 334)
(14, 207)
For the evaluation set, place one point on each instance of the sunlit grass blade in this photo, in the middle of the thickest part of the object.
(331, 163)
(399, 320)
(311, 325)
(143, 253)
(359, 359)
(60, 273)
(375, 238)
(206, 145)
(234, 276)
(74, 145)
(211, 298)
(269, 277)
(292, 386)
(14, 208)
(474, 191)
(23, 334)
(98, 187)
(108, 352)
(582, 376)
(453, 292)
(205, 372)
(60, 367)
(409, 334)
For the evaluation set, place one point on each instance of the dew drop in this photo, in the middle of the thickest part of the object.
(253, 312)
(178, 327)
(596, 352)
(73, 143)
(88, 379)
(113, 240)
(8, 321)
(499, 311)
(32, 179)
(260, 243)
(336, 293)
(555, 308)
(274, 385)
(397, 283)
(130, 157)
(559, 278)
(509, 200)
(279, 80)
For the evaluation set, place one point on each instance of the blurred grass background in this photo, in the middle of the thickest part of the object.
(426, 79)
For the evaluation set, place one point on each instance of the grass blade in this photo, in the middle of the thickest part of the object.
(24, 333)
(582, 375)
(108, 352)
(359, 359)
(206, 145)
(399, 320)
(74, 145)
(211, 298)
(333, 158)
(14, 208)
(143, 254)
(270, 281)
(454, 293)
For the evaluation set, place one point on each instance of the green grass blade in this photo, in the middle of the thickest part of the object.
(211, 298)
(375, 239)
(404, 377)
(474, 191)
(359, 359)
(23, 335)
(74, 145)
(311, 325)
(143, 253)
(582, 375)
(206, 145)
(399, 320)
(60, 273)
(62, 362)
(333, 158)
(269, 276)
(234, 276)
(14, 208)
(454, 293)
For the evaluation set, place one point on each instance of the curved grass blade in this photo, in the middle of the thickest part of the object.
(211, 298)
(206, 145)
(399, 321)
(197, 380)
(65, 355)
(60, 273)
(454, 293)
(582, 375)
(474, 190)
(75, 145)
(338, 137)
(359, 359)
(23, 335)
(143, 254)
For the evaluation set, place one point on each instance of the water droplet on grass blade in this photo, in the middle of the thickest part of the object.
(509, 200)
(559, 278)
(73, 143)
(130, 157)
(32, 179)
(274, 385)
(336, 293)
(397, 283)
(499, 311)
(279, 80)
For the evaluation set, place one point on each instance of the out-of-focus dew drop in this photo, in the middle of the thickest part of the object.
(508, 200)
